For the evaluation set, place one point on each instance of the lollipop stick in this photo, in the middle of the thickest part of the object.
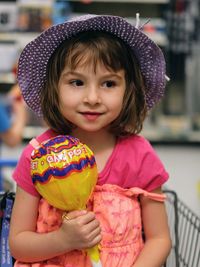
(96, 264)
(94, 256)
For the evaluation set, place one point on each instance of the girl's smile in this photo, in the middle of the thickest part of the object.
(91, 116)
(91, 98)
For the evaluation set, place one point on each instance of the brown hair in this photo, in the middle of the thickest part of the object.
(114, 54)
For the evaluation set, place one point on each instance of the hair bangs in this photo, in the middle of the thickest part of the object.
(96, 50)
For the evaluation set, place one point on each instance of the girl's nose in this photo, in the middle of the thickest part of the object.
(92, 96)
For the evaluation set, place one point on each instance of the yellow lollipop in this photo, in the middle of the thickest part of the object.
(64, 172)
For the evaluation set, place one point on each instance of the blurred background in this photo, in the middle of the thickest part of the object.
(173, 126)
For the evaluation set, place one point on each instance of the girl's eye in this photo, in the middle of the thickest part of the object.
(76, 82)
(109, 84)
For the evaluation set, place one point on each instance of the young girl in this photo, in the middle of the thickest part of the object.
(94, 77)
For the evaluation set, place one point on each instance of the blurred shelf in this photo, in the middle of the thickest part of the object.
(32, 131)
(7, 78)
(21, 38)
(49, 2)
(35, 3)
(192, 138)
(129, 1)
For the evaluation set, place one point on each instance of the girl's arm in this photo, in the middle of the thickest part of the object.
(80, 232)
(157, 237)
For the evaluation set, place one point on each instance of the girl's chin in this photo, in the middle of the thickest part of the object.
(89, 130)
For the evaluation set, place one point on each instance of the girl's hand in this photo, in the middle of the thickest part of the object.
(80, 231)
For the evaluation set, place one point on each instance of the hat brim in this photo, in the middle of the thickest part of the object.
(35, 56)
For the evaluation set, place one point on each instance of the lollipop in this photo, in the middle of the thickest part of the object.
(64, 172)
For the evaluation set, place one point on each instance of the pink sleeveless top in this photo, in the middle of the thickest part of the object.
(133, 163)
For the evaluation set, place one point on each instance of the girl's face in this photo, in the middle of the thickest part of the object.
(91, 98)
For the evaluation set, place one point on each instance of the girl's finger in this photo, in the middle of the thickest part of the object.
(94, 241)
(95, 233)
(92, 225)
(73, 214)
(87, 218)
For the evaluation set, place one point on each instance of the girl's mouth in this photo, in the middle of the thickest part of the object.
(91, 116)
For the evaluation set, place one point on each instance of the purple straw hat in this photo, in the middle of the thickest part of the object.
(34, 58)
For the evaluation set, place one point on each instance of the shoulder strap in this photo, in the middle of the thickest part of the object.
(34, 143)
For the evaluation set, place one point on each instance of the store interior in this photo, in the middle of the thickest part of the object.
(173, 126)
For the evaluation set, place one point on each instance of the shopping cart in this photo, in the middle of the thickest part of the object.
(185, 233)
(5, 163)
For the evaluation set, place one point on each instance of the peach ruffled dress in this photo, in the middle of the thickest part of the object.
(119, 213)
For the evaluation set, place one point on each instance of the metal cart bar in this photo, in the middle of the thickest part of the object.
(185, 233)
(5, 163)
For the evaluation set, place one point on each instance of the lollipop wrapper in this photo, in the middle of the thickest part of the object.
(64, 172)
